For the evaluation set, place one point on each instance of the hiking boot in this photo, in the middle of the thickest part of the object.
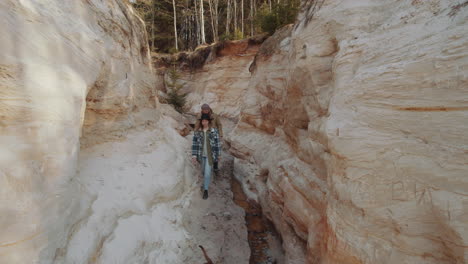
(205, 194)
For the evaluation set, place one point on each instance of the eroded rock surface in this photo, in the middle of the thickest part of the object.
(93, 169)
(217, 75)
(222, 81)
(352, 133)
(67, 69)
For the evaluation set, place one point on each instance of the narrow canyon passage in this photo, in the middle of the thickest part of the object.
(229, 226)
(216, 223)
(351, 136)
(144, 205)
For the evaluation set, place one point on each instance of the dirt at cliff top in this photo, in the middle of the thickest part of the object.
(196, 59)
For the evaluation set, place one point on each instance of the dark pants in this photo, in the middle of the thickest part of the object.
(215, 165)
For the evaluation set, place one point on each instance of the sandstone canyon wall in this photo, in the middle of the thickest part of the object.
(71, 69)
(353, 132)
(223, 79)
(217, 75)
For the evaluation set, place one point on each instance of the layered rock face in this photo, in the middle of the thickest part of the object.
(217, 75)
(67, 68)
(353, 132)
(223, 80)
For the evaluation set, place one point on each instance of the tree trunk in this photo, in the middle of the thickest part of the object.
(175, 25)
(216, 11)
(202, 23)
(152, 24)
(228, 17)
(242, 17)
(197, 24)
(255, 7)
(251, 18)
(212, 20)
(235, 16)
(269, 3)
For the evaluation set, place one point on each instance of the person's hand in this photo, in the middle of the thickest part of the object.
(194, 160)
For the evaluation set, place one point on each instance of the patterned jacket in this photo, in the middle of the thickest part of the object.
(214, 146)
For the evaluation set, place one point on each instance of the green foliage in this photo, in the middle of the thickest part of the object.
(159, 19)
(173, 50)
(236, 35)
(281, 14)
(224, 37)
(268, 21)
(174, 95)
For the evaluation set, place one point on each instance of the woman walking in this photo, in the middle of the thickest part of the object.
(206, 149)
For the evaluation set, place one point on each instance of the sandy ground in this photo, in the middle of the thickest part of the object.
(217, 223)
(141, 203)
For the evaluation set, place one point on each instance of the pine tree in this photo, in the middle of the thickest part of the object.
(175, 96)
